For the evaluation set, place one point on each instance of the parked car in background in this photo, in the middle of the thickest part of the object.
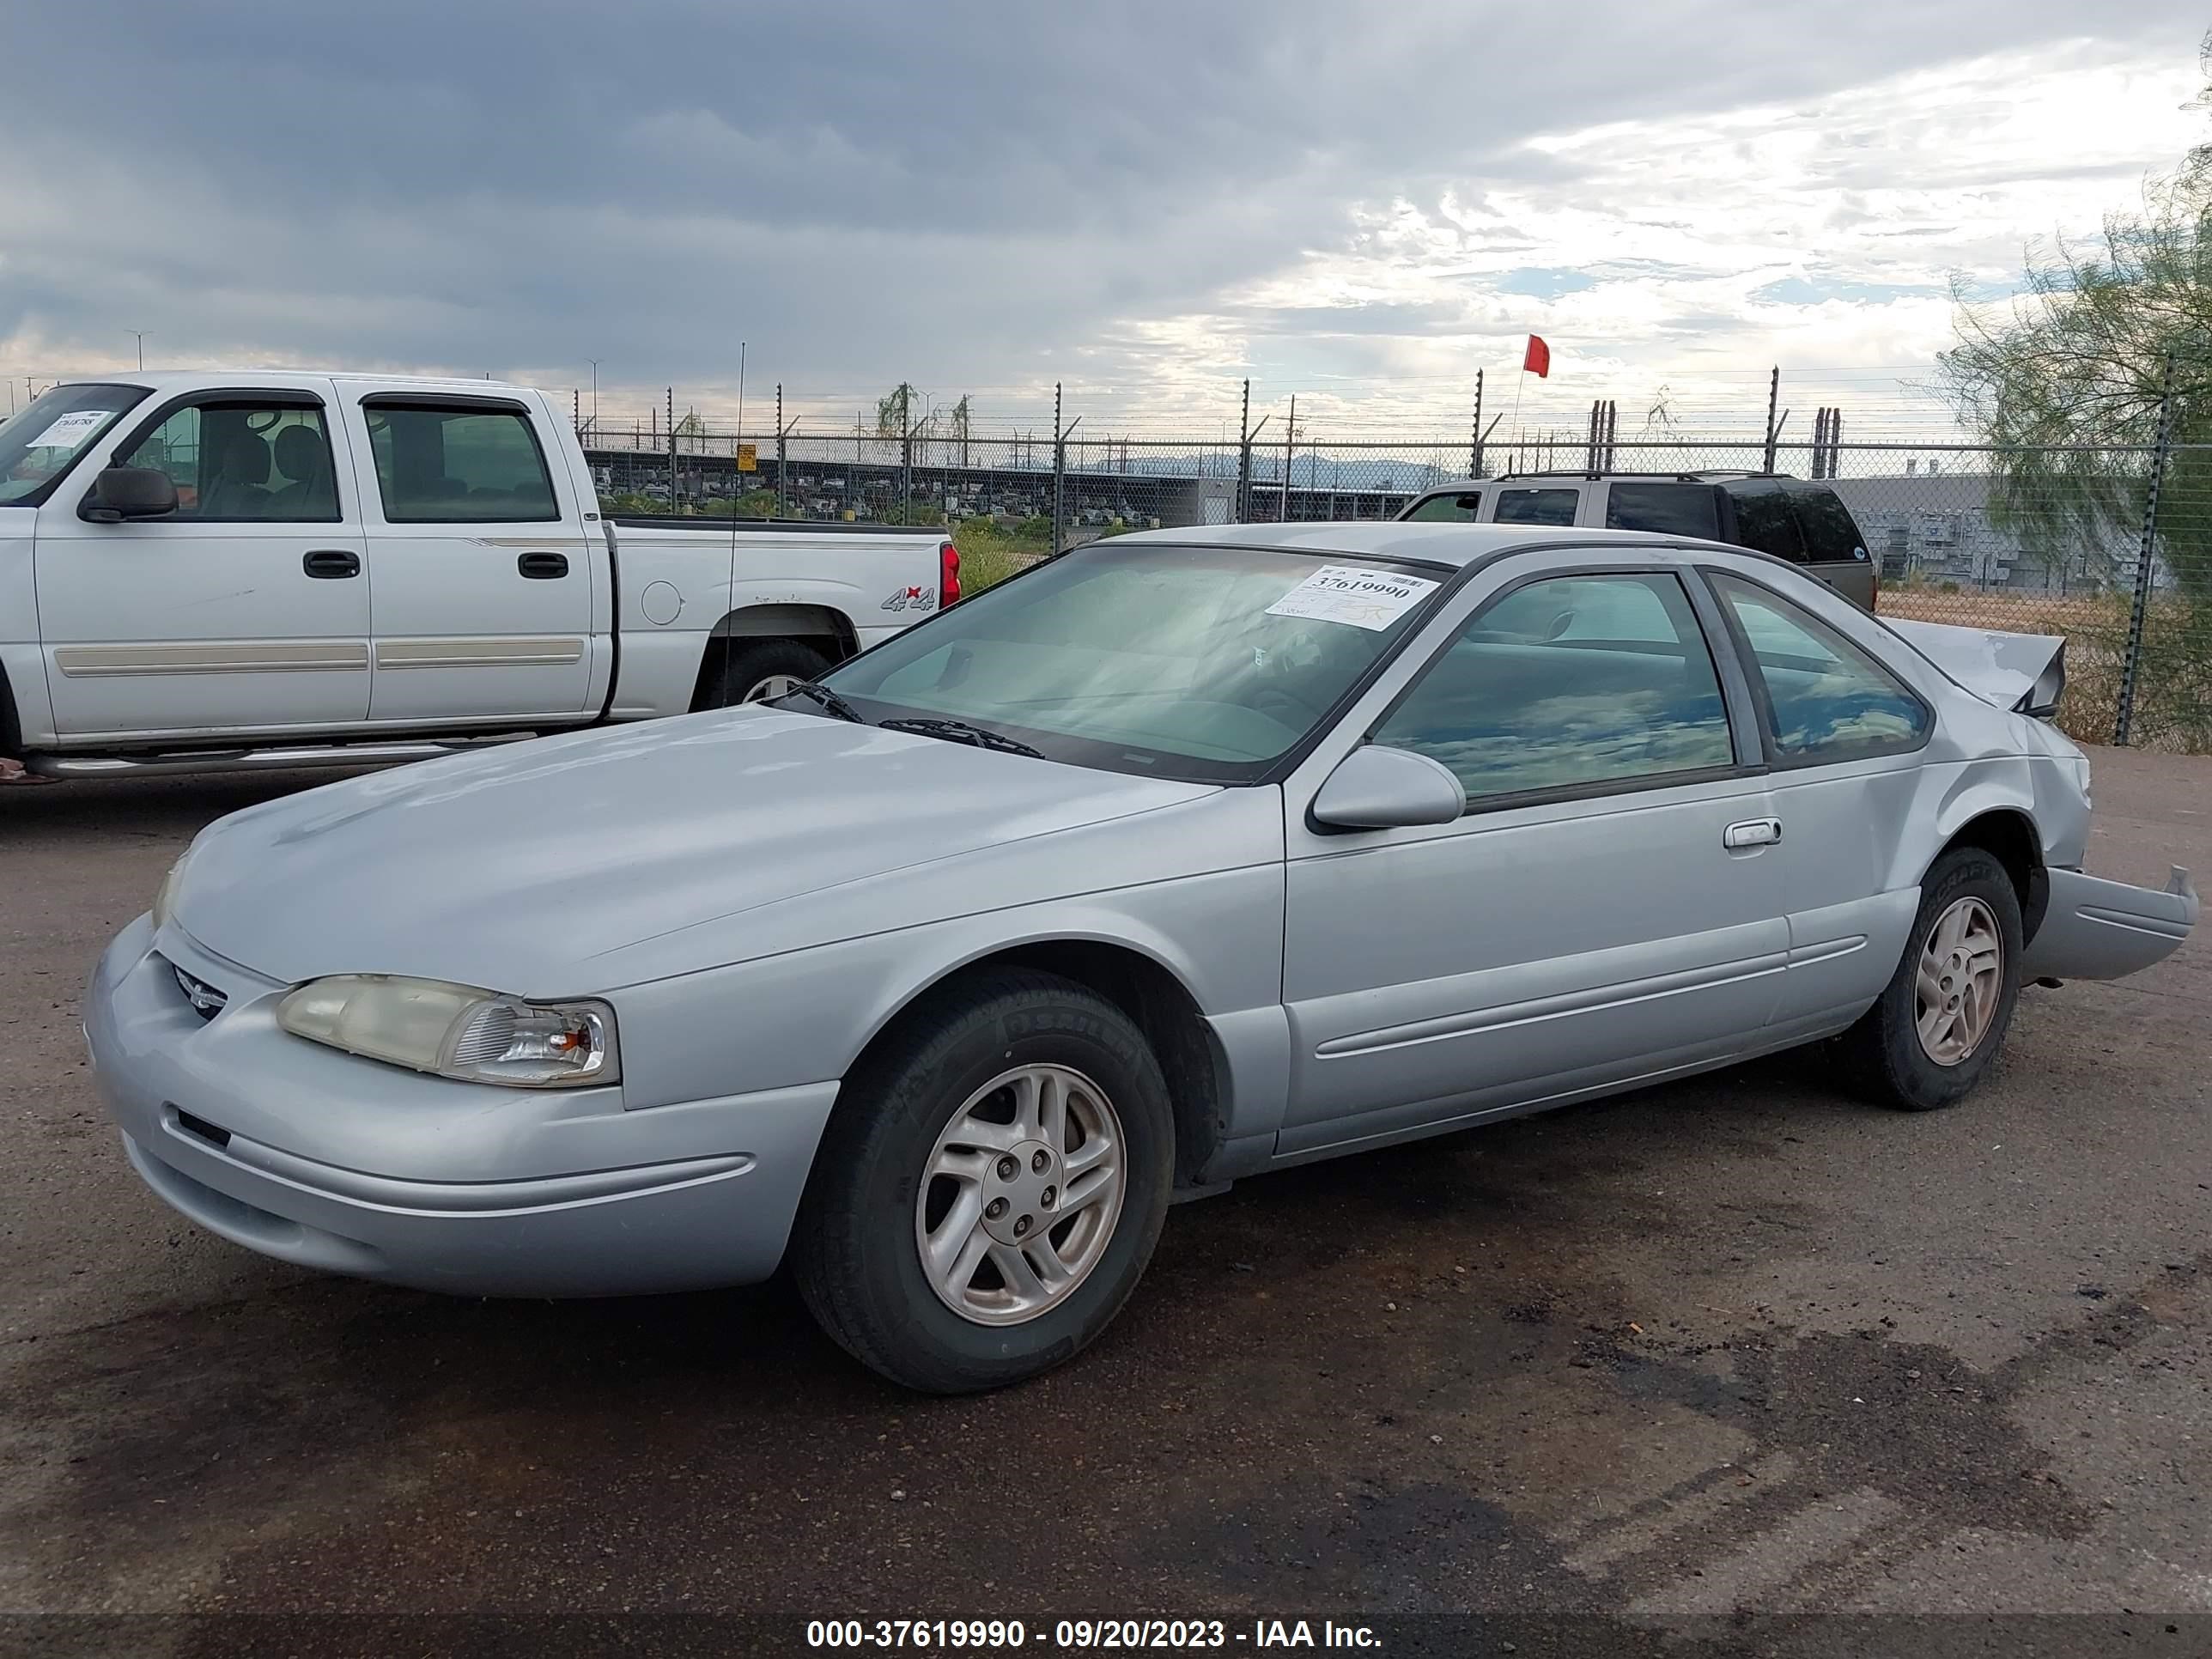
(278, 568)
(1801, 521)
(1187, 856)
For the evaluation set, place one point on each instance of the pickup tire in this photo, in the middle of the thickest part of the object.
(990, 1186)
(758, 669)
(1941, 1019)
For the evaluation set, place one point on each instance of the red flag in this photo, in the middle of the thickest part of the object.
(1537, 360)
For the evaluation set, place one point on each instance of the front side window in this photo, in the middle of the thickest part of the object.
(438, 464)
(1669, 509)
(1461, 507)
(233, 462)
(44, 439)
(1568, 683)
(1538, 505)
(1826, 699)
(1204, 662)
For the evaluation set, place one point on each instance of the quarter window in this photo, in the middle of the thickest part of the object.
(1579, 681)
(448, 466)
(245, 462)
(1826, 699)
(1538, 505)
(1764, 522)
(1832, 536)
(1463, 507)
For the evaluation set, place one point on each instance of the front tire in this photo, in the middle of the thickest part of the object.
(990, 1187)
(1942, 1018)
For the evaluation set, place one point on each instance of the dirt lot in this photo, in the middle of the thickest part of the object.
(1740, 1344)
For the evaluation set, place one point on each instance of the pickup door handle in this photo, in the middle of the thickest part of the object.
(542, 567)
(1751, 832)
(332, 564)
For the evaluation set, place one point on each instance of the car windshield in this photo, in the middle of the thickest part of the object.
(44, 438)
(1204, 662)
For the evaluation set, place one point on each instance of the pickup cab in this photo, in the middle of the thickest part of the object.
(216, 570)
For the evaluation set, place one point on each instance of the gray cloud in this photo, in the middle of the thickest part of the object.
(967, 194)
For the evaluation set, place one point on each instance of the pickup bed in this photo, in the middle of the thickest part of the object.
(274, 568)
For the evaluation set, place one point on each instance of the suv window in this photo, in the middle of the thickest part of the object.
(1830, 535)
(1538, 505)
(437, 465)
(1450, 507)
(1763, 521)
(1671, 509)
(1826, 699)
(1514, 707)
(245, 462)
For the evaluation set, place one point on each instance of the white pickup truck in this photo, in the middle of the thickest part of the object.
(271, 568)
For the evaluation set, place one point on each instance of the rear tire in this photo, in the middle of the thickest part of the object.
(1942, 1018)
(877, 1197)
(756, 669)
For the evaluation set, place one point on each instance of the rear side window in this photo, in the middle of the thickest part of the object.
(1825, 699)
(1462, 508)
(448, 466)
(1537, 506)
(1764, 520)
(1830, 536)
(1670, 509)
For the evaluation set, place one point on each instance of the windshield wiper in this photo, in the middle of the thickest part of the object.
(960, 731)
(828, 699)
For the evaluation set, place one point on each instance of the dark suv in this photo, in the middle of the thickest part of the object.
(1795, 518)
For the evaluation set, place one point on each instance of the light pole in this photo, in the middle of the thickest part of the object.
(594, 361)
(139, 335)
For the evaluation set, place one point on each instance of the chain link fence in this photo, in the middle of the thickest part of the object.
(2110, 547)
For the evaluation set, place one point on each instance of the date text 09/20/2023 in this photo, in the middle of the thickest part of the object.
(998, 1635)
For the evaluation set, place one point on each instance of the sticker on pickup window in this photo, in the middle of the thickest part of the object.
(1354, 594)
(71, 429)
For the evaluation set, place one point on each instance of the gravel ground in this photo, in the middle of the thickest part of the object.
(1740, 1343)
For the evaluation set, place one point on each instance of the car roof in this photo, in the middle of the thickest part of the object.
(1452, 544)
(1575, 475)
(166, 381)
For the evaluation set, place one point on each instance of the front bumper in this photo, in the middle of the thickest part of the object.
(329, 1161)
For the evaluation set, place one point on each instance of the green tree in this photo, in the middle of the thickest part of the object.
(2074, 368)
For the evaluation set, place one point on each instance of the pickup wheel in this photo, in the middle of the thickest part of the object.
(756, 669)
(1941, 1019)
(990, 1187)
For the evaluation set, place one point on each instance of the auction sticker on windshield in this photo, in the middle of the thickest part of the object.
(71, 429)
(1352, 593)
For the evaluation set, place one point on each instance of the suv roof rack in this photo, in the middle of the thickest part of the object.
(1706, 475)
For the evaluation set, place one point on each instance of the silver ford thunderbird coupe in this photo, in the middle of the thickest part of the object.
(1171, 861)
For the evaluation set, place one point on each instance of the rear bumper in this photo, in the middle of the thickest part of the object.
(2098, 929)
(332, 1163)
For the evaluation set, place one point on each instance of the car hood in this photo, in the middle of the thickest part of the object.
(515, 868)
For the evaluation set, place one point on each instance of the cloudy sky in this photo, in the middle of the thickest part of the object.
(1362, 204)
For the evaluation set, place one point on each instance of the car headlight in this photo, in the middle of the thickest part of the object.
(165, 895)
(458, 1030)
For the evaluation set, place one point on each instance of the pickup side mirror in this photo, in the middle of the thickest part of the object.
(1376, 787)
(130, 492)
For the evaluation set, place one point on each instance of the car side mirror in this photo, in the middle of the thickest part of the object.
(1377, 787)
(130, 492)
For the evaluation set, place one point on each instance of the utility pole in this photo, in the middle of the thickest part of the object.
(139, 335)
(595, 392)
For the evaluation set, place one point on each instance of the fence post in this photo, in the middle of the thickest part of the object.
(781, 492)
(1245, 457)
(1474, 435)
(2131, 664)
(1773, 399)
(1059, 470)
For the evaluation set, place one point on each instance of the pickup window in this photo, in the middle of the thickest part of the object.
(446, 465)
(236, 460)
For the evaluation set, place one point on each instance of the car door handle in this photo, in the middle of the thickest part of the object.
(331, 564)
(1751, 832)
(542, 567)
